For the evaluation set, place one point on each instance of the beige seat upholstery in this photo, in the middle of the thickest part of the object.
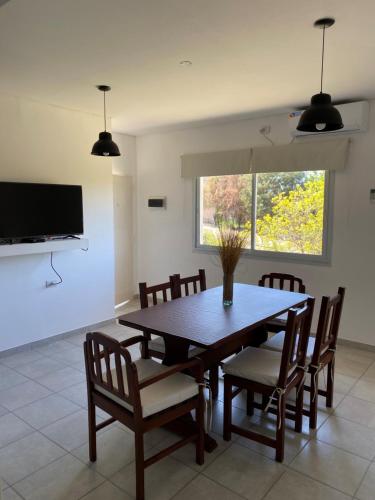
(276, 343)
(157, 344)
(157, 397)
(258, 365)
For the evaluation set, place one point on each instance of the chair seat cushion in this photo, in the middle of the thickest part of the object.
(258, 365)
(158, 345)
(276, 343)
(164, 394)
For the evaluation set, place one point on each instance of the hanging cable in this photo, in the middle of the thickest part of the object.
(105, 113)
(322, 67)
(54, 283)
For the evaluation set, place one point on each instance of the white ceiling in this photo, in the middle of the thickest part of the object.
(249, 56)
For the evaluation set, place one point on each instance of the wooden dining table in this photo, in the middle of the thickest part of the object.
(202, 320)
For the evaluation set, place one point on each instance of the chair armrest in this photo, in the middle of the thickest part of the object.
(133, 340)
(127, 343)
(195, 365)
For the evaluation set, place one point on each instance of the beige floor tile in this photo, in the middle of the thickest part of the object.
(162, 480)
(349, 436)
(70, 432)
(40, 367)
(202, 488)
(364, 389)
(61, 379)
(46, 411)
(12, 428)
(107, 491)
(10, 494)
(76, 339)
(367, 489)
(346, 365)
(370, 373)
(69, 356)
(27, 455)
(76, 393)
(334, 467)
(246, 473)
(357, 410)
(20, 358)
(186, 454)
(342, 383)
(52, 347)
(294, 486)
(22, 395)
(10, 378)
(115, 449)
(356, 353)
(64, 479)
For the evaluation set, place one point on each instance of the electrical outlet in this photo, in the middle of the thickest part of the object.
(372, 195)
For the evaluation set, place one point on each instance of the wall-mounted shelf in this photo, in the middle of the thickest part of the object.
(44, 247)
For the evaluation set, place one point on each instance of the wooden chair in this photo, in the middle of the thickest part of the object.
(320, 352)
(174, 289)
(272, 374)
(281, 281)
(142, 395)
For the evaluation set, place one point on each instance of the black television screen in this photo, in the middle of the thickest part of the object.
(30, 210)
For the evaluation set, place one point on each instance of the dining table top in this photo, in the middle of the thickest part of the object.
(204, 321)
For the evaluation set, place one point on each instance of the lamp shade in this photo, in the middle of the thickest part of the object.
(105, 146)
(320, 116)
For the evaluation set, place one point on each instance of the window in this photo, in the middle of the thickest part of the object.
(285, 213)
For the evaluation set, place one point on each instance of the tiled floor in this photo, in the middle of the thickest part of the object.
(44, 452)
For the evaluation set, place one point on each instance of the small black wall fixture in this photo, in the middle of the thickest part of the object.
(105, 146)
(321, 115)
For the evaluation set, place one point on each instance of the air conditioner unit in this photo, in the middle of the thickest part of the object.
(354, 116)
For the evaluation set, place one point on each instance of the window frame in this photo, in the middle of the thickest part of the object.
(324, 258)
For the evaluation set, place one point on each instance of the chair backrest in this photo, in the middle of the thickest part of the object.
(181, 285)
(328, 324)
(279, 280)
(296, 339)
(166, 291)
(102, 355)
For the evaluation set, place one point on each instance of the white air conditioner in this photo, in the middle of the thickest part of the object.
(354, 116)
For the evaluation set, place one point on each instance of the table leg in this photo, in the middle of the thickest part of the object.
(177, 351)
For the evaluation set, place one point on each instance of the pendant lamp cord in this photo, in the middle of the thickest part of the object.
(105, 114)
(322, 69)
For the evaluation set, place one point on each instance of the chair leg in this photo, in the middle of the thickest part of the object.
(250, 403)
(144, 346)
(214, 381)
(314, 399)
(139, 466)
(265, 400)
(227, 434)
(299, 407)
(199, 450)
(92, 431)
(280, 432)
(330, 382)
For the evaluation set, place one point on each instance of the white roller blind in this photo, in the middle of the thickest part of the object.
(314, 155)
(217, 163)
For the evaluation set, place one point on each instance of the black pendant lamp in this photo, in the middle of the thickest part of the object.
(321, 115)
(105, 146)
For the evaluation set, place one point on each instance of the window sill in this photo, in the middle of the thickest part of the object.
(320, 260)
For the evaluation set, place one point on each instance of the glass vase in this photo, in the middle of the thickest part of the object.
(227, 290)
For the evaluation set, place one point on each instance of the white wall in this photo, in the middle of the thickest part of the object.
(165, 237)
(41, 143)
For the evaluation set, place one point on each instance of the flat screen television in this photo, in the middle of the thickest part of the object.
(31, 211)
